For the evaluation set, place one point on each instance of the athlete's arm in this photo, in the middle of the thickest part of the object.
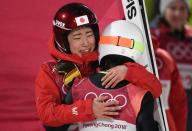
(134, 73)
(49, 107)
(52, 112)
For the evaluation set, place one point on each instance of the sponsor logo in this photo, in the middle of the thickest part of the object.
(131, 9)
(59, 24)
(106, 125)
(121, 98)
(74, 111)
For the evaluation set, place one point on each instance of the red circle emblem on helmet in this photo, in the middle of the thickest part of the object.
(82, 20)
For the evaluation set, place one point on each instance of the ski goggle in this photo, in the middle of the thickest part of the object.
(69, 70)
(122, 41)
(70, 76)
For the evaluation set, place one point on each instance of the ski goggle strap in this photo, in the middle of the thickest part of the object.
(69, 77)
(122, 41)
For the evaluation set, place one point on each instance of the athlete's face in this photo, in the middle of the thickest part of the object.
(81, 41)
(176, 14)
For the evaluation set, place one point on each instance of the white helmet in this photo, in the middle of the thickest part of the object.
(121, 38)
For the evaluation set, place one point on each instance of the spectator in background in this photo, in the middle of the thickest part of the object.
(175, 36)
(173, 96)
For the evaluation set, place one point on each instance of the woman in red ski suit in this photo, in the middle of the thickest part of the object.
(173, 95)
(74, 47)
(175, 36)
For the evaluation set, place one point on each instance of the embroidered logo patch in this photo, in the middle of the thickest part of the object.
(59, 24)
(74, 111)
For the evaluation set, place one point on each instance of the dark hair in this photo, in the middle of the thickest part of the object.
(110, 61)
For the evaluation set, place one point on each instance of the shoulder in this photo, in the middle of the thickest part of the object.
(136, 91)
(166, 57)
(49, 65)
(48, 71)
(165, 54)
(188, 31)
(155, 31)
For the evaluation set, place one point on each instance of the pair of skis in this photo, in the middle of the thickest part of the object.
(135, 12)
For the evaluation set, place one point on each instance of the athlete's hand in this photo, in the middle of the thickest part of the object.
(114, 76)
(105, 110)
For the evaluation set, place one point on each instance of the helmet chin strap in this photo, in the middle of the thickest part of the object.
(61, 49)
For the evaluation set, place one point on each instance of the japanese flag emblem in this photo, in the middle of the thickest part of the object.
(81, 20)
